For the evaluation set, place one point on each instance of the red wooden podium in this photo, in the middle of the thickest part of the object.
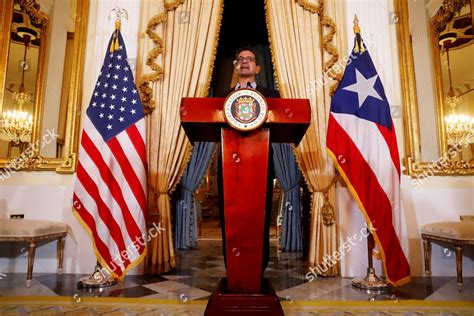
(245, 169)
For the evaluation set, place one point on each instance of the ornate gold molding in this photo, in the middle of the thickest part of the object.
(445, 13)
(33, 9)
(30, 159)
(414, 166)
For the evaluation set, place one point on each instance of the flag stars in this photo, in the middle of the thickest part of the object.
(133, 111)
(94, 104)
(112, 107)
(114, 87)
(122, 109)
(124, 99)
(96, 94)
(109, 65)
(110, 116)
(104, 95)
(121, 119)
(102, 105)
(126, 68)
(125, 79)
(124, 89)
(98, 84)
(108, 76)
(134, 91)
(106, 85)
(364, 87)
(134, 101)
(116, 77)
(109, 127)
(113, 97)
(117, 67)
(119, 57)
(101, 115)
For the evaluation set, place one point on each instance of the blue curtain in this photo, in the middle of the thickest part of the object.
(287, 173)
(186, 217)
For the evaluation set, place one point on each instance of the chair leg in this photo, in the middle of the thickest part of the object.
(31, 261)
(459, 267)
(61, 242)
(427, 255)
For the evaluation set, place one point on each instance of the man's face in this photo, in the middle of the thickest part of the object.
(248, 67)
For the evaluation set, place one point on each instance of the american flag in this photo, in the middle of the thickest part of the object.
(362, 143)
(110, 191)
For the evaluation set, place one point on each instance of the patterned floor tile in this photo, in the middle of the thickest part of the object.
(198, 271)
(166, 286)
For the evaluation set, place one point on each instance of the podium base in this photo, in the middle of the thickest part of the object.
(223, 303)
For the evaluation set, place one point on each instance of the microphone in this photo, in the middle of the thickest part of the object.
(249, 85)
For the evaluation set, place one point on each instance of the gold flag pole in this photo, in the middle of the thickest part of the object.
(371, 283)
(101, 278)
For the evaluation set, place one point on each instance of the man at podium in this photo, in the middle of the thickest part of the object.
(247, 67)
(245, 123)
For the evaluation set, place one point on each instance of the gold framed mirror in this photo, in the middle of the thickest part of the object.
(41, 61)
(435, 142)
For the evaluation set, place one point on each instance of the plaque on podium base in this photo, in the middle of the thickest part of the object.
(224, 303)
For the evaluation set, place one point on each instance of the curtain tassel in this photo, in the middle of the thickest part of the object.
(327, 211)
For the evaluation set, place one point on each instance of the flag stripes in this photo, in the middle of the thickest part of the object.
(110, 195)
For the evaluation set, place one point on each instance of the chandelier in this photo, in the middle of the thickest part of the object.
(16, 126)
(458, 126)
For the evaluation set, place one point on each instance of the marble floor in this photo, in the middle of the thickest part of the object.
(199, 270)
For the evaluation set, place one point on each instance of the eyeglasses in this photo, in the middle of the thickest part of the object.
(242, 59)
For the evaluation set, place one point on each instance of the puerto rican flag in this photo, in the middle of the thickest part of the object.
(362, 143)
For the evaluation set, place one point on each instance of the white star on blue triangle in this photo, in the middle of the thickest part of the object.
(361, 92)
(364, 87)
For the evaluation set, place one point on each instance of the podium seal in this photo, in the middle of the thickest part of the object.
(245, 109)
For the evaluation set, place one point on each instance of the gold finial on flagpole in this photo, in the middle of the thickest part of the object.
(359, 43)
(356, 27)
(118, 24)
(118, 13)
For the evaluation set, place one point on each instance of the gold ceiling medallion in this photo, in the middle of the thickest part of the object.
(445, 14)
